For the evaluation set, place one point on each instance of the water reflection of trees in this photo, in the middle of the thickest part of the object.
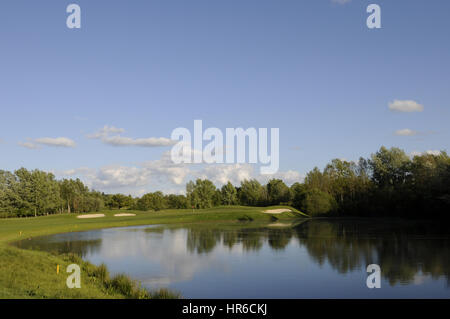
(79, 247)
(278, 239)
(204, 240)
(335, 243)
(403, 251)
(252, 239)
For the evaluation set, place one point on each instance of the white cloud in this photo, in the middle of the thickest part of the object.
(111, 135)
(105, 131)
(406, 132)
(220, 174)
(48, 141)
(405, 106)
(145, 142)
(164, 175)
(171, 255)
(119, 176)
(164, 169)
(289, 177)
(110, 177)
(57, 142)
(148, 176)
(29, 145)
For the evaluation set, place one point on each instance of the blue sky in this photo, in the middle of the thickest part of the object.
(311, 68)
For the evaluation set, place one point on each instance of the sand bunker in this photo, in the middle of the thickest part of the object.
(123, 214)
(279, 225)
(277, 211)
(91, 216)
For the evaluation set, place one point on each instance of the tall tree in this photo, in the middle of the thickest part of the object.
(251, 193)
(152, 201)
(389, 167)
(201, 194)
(229, 194)
(278, 192)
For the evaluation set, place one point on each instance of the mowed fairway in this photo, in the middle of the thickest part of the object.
(33, 274)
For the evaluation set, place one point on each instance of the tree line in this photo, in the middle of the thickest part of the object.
(388, 183)
(33, 193)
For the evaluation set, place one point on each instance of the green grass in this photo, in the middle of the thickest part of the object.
(32, 274)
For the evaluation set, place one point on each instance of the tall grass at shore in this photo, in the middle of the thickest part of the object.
(33, 274)
(121, 284)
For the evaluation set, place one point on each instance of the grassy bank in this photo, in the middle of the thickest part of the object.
(33, 274)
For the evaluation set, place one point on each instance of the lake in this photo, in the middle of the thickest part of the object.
(308, 259)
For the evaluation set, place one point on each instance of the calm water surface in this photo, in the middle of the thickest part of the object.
(312, 259)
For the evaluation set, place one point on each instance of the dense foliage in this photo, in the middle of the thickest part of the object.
(389, 183)
(33, 193)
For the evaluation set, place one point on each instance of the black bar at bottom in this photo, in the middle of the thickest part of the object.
(229, 308)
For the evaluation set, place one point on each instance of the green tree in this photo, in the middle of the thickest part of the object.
(176, 201)
(229, 194)
(389, 167)
(317, 202)
(298, 192)
(152, 201)
(68, 193)
(37, 192)
(201, 194)
(316, 179)
(278, 192)
(120, 201)
(251, 193)
(7, 196)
